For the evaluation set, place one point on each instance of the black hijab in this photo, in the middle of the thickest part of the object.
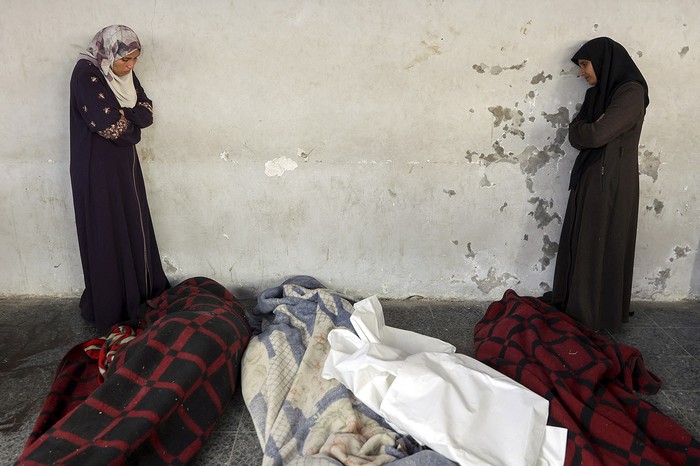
(613, 67)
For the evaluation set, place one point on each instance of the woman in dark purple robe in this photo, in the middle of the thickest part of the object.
(118, 250)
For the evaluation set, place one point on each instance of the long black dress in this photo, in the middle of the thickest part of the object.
(595, 262)
(118, 250)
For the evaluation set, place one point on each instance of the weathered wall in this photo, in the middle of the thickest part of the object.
(389, 147)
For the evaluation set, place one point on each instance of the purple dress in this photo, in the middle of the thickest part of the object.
(118, 250)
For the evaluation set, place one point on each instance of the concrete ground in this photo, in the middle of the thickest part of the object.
(35, 333)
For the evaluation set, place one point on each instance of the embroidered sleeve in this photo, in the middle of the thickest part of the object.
(146, 105)
(115, 131)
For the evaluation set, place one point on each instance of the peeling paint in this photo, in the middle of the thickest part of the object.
(559, 119)
(649, 165)
(683, 51)
(449, 192)
(526, 237)
(549, 248)
(302, 154)
(471, 254)
(541, 212)
(502, 114)
(596, 26)
(657, 206)
(659, 282)
(680, 252)
(169, 267)
(523, 30)
(640, 53)
(277, 167)
(487, 159)
(530, 185)
(496, 69)
(392, 193)
(485, 183)
(540, 78)
(503, 207)
(455, 242)
(492, 281)
(544, 286)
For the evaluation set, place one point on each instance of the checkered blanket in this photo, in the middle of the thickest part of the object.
(300, 417)
(163, 391)
(589, 381)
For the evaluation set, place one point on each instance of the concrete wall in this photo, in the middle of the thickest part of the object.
(390, 147)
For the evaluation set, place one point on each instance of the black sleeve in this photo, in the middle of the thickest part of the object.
(142, 113)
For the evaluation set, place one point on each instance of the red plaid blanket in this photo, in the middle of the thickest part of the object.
(163, 391)
(589, 381)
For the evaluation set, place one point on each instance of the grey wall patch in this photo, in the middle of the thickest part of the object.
(530, 185)
(549, 248)
(169, 267)
(683, 51)
(559, 119)
(540, 78)
(649, 164)
(544, 286)
(532, 159)
(491, 281)
(657, 206)
(541, 212)
(680, 252)
(392, 193)
(487, 159)
(496, 69)
(659, 282)
(449, 192)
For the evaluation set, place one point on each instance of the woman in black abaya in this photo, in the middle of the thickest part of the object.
(593, 274)
(118, 250)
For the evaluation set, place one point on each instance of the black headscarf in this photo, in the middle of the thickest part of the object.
(613, 67)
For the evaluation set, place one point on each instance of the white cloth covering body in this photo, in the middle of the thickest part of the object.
(454, 404)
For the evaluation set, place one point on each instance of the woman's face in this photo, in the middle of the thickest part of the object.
(123, 66)
(587, 72)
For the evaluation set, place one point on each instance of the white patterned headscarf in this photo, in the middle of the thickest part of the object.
(110, 44)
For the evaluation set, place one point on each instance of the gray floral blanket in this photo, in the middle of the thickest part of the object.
(300, 417)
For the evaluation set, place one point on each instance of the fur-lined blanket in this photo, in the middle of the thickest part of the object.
(589, 381)
(300, 417)
(163, 391)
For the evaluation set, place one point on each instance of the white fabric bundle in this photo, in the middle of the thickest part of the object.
(454, 404)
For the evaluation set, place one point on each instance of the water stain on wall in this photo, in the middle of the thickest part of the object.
(541, 212)
(146, 154)
(492, 281)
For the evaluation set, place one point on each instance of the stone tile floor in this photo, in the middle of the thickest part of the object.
(35, 333)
